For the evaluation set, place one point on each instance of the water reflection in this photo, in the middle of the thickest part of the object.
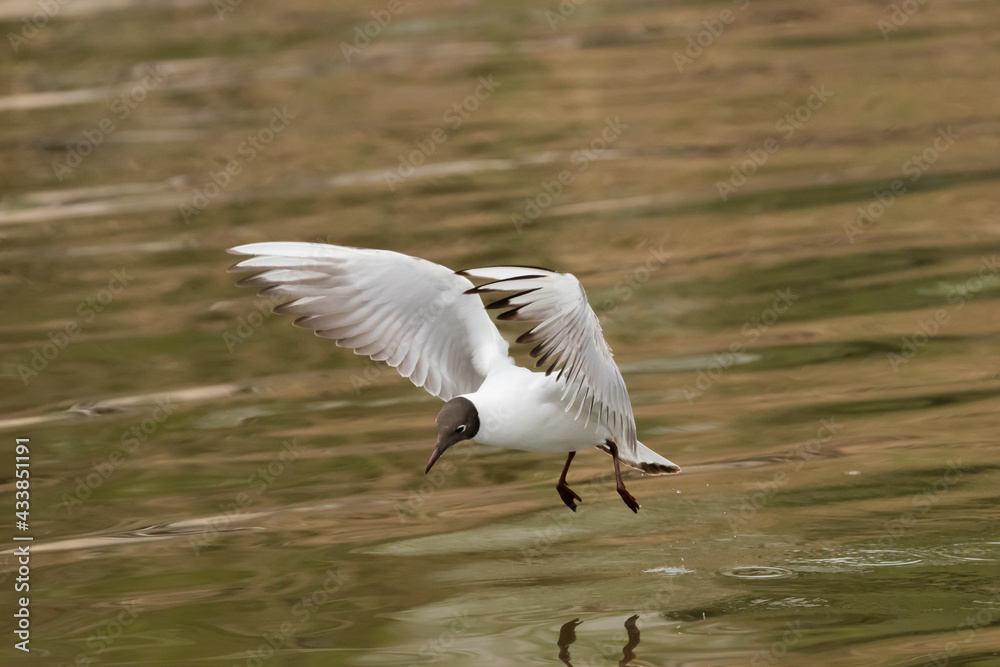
(567, 635)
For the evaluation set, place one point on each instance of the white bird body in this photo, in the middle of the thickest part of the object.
(429, 323)
(521, 409)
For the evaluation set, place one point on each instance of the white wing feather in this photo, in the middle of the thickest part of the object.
(569, 339)
(408, 312)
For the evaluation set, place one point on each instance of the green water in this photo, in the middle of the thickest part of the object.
(791, 234)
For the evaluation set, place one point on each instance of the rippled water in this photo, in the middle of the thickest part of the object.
(787, 218)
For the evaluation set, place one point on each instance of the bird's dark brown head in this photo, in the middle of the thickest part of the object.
(457, 421)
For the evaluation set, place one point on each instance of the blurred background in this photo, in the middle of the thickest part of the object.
(787, 216)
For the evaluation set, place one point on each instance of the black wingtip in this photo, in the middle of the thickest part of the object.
(658, 469)
(506, 303)
(526, 337)
(492, 286)
(249, 281)
(511, 314)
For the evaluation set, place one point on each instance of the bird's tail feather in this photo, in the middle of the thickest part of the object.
(645, 459)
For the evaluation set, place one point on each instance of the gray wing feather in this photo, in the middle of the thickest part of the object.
(408, 312)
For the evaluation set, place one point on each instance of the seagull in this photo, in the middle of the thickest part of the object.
(429, 323)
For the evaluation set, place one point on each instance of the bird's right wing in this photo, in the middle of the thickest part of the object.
(569, 339)
(408, 312)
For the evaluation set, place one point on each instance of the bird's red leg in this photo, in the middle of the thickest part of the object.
(567, 494)
(620, 485)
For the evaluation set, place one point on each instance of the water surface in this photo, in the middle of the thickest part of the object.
(791, 234)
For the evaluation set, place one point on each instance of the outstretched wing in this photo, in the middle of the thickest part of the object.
(412, 314)
(568, 338)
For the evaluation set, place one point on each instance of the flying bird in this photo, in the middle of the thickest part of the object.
(429, 323)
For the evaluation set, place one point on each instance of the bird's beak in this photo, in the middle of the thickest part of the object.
(435, 455)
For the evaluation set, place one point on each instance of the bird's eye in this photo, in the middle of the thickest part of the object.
(460, 428)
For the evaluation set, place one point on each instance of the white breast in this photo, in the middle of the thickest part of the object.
(519, 409)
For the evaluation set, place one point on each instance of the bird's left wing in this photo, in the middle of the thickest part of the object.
(568, 339)
(410, 313)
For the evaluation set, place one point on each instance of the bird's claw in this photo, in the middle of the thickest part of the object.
(568, 495)
(630, 500)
